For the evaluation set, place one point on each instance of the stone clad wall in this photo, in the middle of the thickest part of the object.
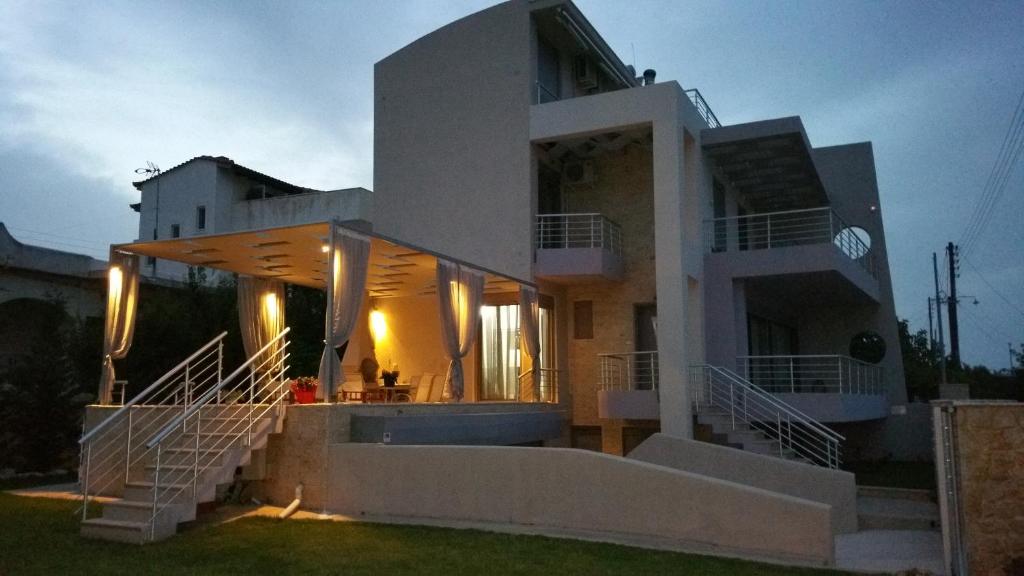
(622, 191)
(990, 446)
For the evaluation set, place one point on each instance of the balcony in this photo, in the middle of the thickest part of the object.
(813, 242)
(629, 386)
(577, 248)
(829, 388)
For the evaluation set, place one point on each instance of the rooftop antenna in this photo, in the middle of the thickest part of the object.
(152, 170)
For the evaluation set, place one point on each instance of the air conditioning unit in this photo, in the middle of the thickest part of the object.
(578, 172)
(585, 72)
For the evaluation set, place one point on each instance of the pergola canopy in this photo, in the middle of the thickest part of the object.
(769, 163)
(297, 255)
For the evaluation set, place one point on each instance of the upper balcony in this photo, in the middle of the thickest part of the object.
(814, 242)
(578, 248)
(629, 385)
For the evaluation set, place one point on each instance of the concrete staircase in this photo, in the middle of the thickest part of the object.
(221, 455)
(882, 508)
(715, 425)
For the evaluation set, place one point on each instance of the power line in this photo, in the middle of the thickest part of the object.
(1009, 152)
(79, 240)
(987, 332)
(993, 288)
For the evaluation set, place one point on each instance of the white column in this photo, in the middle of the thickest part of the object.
(669, 249)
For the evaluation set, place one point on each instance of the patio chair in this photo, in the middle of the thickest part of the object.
(353, 390)
(423, 389)
(437, 389)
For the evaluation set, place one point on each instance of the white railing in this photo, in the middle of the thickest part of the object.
(561, 231)
(831, 374)
(784, 229)
(702, 108)
(747, 407)
(111, 449)
(629, 370)
(544, 381)
(235, 406)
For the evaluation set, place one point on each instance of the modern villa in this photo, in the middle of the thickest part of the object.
(611, 313)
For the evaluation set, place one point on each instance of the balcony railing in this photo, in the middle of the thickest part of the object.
(703, 109)
(784, 229)
(544, 382)
(561, 231)
(812, 374)
(629, 371)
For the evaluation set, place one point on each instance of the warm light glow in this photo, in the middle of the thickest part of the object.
(116, 278)
(378, 326)
(325, 248)
(270, 306)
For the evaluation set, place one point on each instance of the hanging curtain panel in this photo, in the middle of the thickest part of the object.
(529, 322)
(260, 318)
(460, 292)
(348, 258)
(119, 326)
(500, 358)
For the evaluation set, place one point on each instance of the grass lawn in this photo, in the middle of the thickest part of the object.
(919, 475)
(40, 536)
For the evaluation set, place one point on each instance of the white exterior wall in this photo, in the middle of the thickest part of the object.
(452, 168)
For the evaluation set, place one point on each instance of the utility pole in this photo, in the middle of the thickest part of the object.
(931, 329)
(952, 253)
(942, 342)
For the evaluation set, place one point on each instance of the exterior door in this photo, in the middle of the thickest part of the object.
(645, 366)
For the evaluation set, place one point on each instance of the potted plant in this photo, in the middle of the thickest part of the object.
(390, 378)
(304, 389)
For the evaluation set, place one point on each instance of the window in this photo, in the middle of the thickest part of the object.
(175, 230)
(548, 73)
(501, 357)
(200, 217)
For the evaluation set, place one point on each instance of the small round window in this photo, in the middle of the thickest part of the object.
(854, 241)
(867, 347)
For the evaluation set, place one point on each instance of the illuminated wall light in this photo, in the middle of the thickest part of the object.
(270, 305)
(325, 248)
(378, 326)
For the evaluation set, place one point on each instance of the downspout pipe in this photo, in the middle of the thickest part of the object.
(294, 505)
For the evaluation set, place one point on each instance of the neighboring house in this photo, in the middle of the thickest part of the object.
(210, 195)
(703, 281)
(33, 279)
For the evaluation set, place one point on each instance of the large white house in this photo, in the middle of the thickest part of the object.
(559, 253)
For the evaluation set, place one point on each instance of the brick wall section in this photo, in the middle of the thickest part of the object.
(990, 443)
(623, 192)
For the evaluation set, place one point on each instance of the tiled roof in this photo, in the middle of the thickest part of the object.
(226, 162)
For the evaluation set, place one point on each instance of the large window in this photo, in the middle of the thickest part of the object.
(501, 356)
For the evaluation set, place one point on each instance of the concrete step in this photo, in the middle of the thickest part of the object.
(125, 531)
(896, 493)
(896, 514)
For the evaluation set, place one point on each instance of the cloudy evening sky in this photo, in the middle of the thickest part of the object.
(90, 91)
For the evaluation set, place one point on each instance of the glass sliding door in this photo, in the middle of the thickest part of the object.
(500, 359)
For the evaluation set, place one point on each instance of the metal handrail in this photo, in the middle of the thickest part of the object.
(552, 380)
(805, 419)
(149, 389)
(212, 392)
(702, 108)
(819, 373)
(579, 230)
(760, 411)
(787, 228)
(615, 376)
(237, 426)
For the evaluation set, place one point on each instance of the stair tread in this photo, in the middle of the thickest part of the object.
(125, 524)
(897, 508)
(129, 504)
(150, 485)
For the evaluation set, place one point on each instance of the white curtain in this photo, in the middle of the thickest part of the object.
(260, 317)
(460, 291)
(348, 258)
(119, 327)
(529, 322)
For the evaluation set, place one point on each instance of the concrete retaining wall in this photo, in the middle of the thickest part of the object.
(832, 487)
(577, 491)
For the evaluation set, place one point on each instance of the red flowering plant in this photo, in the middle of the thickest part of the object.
(304, 389)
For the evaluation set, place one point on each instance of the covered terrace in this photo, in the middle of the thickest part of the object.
(384, 311)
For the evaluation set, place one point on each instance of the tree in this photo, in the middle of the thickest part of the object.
(920, 364)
